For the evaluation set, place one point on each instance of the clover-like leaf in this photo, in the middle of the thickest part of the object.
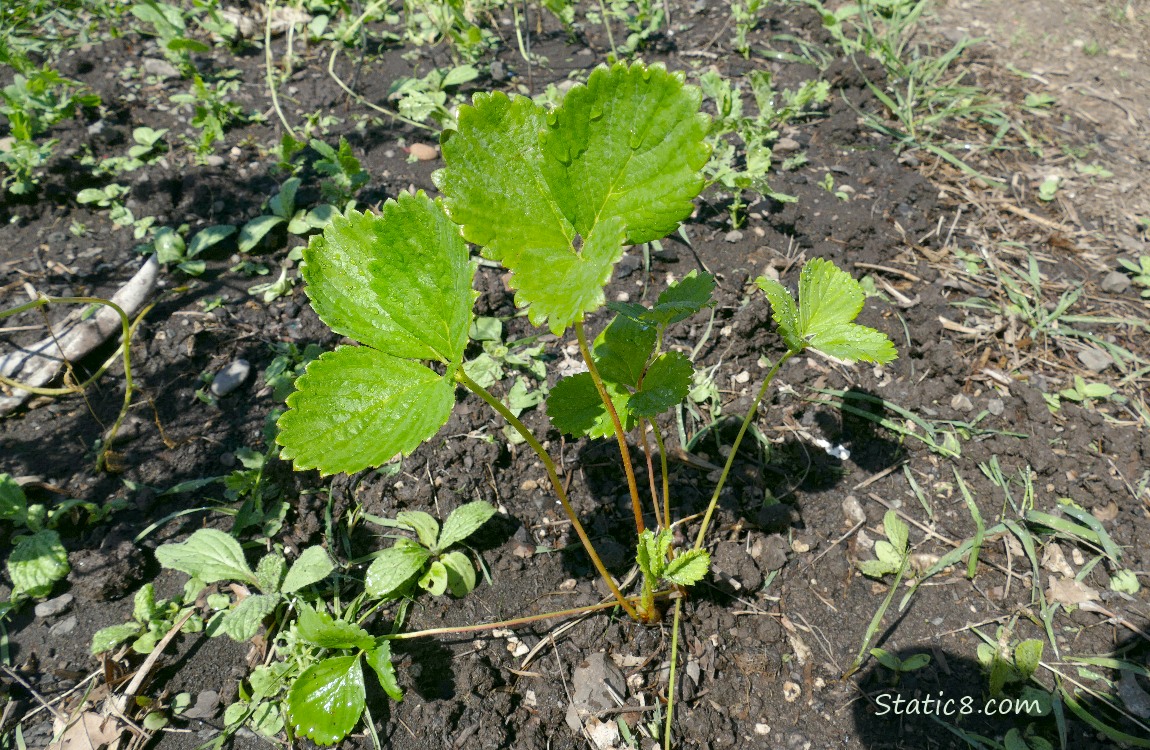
(463, 522)
(312, 566)
(208, 555)
(394, 567)
(555, 196)
(829, 299)
(357, 407)
(379, 659)
(666, 383)
(243, 621)
(399, 282)
(688, 568)
(319, 628)
(326, 701)
(575, 407)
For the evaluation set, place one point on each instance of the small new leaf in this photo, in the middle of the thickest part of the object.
(379, 658)
(208, 555)
(270, 572)
(688, 568)
(896, 531)
(460, 573)
(242, 622)
(312, 566)
(829, 299)
(463, 522)
(423, 524)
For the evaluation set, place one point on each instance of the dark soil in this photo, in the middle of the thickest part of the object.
(762, 663)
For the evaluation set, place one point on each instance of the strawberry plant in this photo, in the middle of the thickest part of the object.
(555, 196)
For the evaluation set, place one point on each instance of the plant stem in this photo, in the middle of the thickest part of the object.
(878, 615)
(663, 471)
(659, 522)
(671, 675)
(504, 623)
(527, 435)
(607, 25)
(620, 435)
(735, 447)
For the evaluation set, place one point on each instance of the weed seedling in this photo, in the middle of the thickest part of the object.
(1140, 272)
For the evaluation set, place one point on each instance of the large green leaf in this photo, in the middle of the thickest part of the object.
(326, 701)
(357, 407)
(555, 196)
(36, 563)
(208, 555)
(399, 281)
(622, 350)
(576, 408)
(321, 629)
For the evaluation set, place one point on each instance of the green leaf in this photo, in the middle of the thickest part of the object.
(283, 203)
(255, 230)
(684, 298)
(13, 502)
(666, 384)
(144, 607)
(242, 622)
(1125, 582)
(896, 531)
(379, 659)
(318, 628)
(399, 282)
(484, 370)
(463, 522)
(460, 573)
(423, 524)
(1027, 655)
(876, 568)
(888, 554)
(622, 350)
(784, 311)
(688, 568)
(270, 572)
(357, 407)
(574, 407)
(36, 563)
(887, 659)
(486, 329)
(393, 568)
(326, 701)
(555, 196)
(829, 299)
(106, 639)
(434, 579)
(312, 566)
(208, 555)
(915, 661)
(651, 553)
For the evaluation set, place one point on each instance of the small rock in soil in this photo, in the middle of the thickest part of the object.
(423, 152)
(591, 685)
(65, 626)
(55, 606)
(231, 377)
(1115, 282)
(1095, 360)
(774, 553)
(733, 236)
(160, 68)
(961, 402)
(853, 511)
(786, 145)
(207, 703)
(995, 406)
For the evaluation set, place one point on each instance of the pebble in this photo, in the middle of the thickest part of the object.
(853, 510)
(1095, 360)
(207, 703)
(774, 553)
(156, 67)
(215, 160)
(65, 626)
(961, 402)
(733, 236)
(786, 145)
(995, 406)
(54, 607)
(1115, 282)
(423, 152)
(231, 377)
(96, 128)
(589, 687)
(762, 729)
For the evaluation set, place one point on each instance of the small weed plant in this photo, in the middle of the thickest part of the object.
(554, 196)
